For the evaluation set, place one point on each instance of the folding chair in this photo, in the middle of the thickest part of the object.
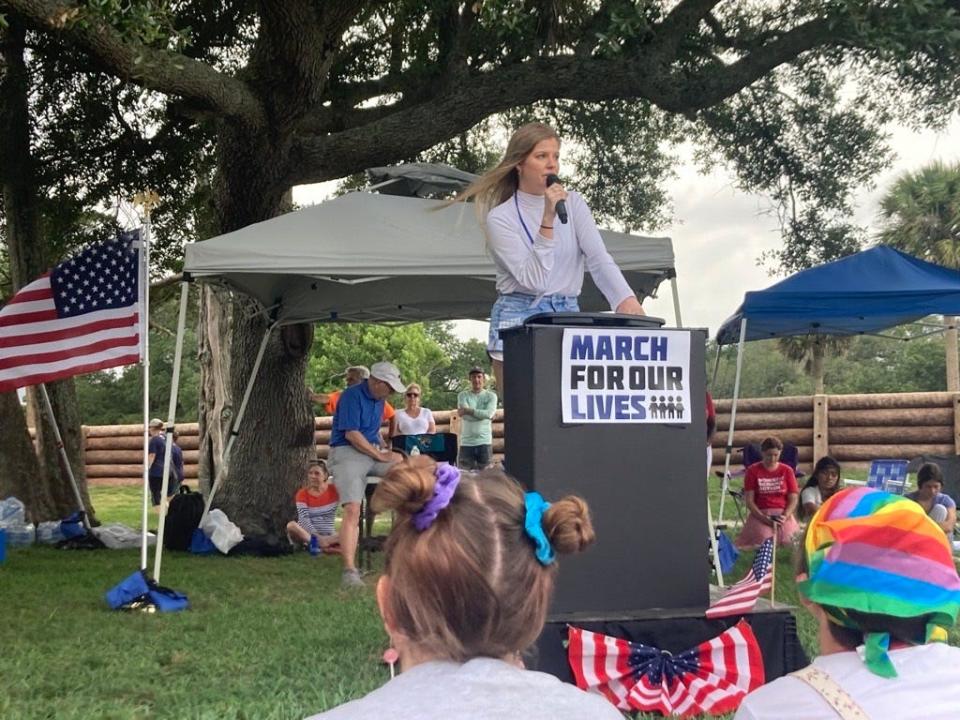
(888, 475)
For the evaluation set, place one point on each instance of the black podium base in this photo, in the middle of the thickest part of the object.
(676, 630)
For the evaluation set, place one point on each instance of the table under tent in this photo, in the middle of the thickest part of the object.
(860, 294)
(376, 257)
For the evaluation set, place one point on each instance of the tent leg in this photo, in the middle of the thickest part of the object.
(235, 427)
(171, 413)
(733, 420)
(713, 547)
(716, 369)
(64, 460)
(676, 301)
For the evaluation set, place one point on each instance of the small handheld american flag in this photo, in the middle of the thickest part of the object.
(742, 596)
(80, 317)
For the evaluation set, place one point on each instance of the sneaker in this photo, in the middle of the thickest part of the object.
(352, 580)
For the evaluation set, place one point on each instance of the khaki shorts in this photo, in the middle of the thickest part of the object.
(349, 469)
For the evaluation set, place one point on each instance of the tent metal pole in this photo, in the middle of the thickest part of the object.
(171, 413)
(144, 293)
(733, 420)
(716, 368)
(64, 460)
(713, 545)
(235, 427)
(676, 301)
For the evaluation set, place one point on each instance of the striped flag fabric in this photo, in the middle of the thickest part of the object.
(742, 596)
(713, 677)
(82, 316)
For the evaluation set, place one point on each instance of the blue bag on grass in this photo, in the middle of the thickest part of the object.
(200, 544)
(139, 592)
(72, 526)
(128, 590)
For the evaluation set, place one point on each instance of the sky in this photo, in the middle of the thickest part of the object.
(719, 232)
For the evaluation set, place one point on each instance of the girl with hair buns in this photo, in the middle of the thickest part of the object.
(539, 257)
(470, 568)
(878, 577)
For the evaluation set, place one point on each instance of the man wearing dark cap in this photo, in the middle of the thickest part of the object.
(356, 451)
(476, 407)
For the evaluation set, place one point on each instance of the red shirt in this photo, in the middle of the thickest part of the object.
(770, 487)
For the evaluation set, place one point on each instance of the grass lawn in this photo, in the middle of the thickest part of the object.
(265, 638)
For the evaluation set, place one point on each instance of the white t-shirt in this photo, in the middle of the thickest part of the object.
(927, 688)
(480, 689)
(811, 495)
(418, 425)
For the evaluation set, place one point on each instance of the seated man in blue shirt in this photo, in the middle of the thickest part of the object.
(356, 451)
(940, 507)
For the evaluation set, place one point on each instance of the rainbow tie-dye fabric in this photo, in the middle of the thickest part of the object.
(874, 552)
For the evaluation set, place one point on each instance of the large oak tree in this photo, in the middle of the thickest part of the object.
(790, 94)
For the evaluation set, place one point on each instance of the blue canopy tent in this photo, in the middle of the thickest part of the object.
(861, 293)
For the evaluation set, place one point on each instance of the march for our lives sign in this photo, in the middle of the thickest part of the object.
(625, 375)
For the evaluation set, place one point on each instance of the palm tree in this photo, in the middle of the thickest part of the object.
(920, 215)
(812, 351)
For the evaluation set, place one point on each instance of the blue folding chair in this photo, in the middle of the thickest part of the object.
(888, 475)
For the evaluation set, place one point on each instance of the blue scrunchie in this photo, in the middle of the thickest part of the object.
(533, 526)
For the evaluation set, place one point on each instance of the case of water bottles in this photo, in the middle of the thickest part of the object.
(13, 522)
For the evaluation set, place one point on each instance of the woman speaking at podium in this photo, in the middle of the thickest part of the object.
(540, 236)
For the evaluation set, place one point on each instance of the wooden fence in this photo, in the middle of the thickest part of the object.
(852, 428)
(114, 452)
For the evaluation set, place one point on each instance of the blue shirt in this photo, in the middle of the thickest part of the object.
(359, 410)
(156, 447)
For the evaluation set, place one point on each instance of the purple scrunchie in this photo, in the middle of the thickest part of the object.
(448, 477)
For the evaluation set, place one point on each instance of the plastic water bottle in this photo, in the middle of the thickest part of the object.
(314, 545)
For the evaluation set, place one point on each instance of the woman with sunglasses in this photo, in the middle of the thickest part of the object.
(412, 419)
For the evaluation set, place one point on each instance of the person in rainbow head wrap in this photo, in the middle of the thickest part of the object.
(878, 575)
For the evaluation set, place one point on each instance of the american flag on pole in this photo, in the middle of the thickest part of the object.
(711, 678)
(742, 596)
(81, 316)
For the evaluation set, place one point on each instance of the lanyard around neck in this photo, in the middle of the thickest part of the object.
(520, 218)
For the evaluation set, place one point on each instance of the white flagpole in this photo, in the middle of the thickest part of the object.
(171, 412)
(148, 200)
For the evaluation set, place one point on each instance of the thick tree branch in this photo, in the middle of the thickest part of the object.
(160, 70)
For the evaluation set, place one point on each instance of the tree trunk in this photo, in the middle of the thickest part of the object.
(268, 460)
(28, 260)
(19, 468)
(63, 400)
(953, 363)
(817, 366)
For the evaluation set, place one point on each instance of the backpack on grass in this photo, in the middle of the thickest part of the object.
(183, 517)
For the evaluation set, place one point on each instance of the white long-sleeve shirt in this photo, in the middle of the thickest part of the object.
(551, 267)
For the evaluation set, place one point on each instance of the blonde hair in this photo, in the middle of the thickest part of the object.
(497, 185)
(412, 386)
(470, 585)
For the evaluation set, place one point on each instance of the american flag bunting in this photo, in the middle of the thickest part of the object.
(713, 677)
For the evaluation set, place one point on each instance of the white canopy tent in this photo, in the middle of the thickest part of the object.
(367, 257)
(371, 257)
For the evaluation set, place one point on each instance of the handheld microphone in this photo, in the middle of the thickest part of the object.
(561, 205)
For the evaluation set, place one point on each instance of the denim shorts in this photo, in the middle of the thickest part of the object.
(512, 309)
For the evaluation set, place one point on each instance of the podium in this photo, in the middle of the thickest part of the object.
(644, 481)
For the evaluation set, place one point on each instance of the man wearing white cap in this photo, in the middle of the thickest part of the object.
(356, 451)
